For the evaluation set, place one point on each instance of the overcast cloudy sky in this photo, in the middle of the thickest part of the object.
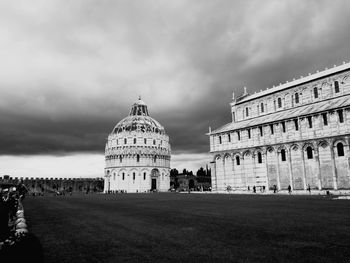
(70, 70)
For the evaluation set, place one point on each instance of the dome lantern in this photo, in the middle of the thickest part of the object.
(139, 108)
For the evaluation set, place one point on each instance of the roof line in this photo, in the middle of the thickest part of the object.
(269, 114)
(296, 82)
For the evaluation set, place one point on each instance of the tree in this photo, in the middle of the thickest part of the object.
(174, 172)
(203, 176)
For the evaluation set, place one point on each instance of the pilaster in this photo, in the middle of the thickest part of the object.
(278, 171)
(317, 157)
(334, 169)
(290, 168)
(304, 169)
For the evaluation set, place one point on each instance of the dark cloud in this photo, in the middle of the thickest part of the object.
(69, 72)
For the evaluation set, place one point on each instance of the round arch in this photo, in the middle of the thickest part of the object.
(307, 144)
(294, 147)
(282, 147)
(270, 149)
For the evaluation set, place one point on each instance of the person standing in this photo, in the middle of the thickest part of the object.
(309, 188)
(289, 189)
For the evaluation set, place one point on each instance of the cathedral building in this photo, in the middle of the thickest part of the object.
(137, 154)
(295, 134)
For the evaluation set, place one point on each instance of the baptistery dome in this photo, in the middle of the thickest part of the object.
(139, 120)
(137, 153)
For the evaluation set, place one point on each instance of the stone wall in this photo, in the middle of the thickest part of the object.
(42, 185)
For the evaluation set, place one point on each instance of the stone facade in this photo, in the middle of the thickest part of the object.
(296, 134)
(137, 154)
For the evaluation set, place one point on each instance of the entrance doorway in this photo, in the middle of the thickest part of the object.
(154, 184)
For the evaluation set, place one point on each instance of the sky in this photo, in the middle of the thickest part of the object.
(70, 71)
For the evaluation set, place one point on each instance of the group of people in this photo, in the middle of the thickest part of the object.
(262, 189)
(8, 208)
(16, 245)
(9, 201)
(275, 189)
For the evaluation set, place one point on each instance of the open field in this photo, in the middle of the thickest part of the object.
(190, 228)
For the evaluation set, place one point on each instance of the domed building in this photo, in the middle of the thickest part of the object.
(137, 154)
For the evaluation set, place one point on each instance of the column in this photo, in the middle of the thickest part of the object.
(334, 170)
(233, 172)
(317, 157)
(254, 168)
(304, 170)
(267, 171)
(347, 152)
(243, 171)
(290, 168)
(213, 175)
(278, 171)
(224, 172)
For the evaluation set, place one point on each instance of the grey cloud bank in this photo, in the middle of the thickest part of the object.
(70, 71)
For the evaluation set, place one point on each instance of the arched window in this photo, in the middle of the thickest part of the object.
(336, 86)
(144, 176)
(249, 134)
(120, 158)
(138, 158)
(145, 140)
(315, 92)
(279, 102)
(309, 152)
(283, 126)
(296, 96)
(325, 119)
(125, 141)
(261, 131)
(271, 128)
(340, 149)
(341, 116)
(155, 158)
(246, 112)
(229, 137)
(134, 140)
(154, 142)
(233, 117)
(238, 136)
(220, 140)
(296, 124)
(123, 175)
(283, 155)
(259, 157)
(133, 176)
(262, 107)
(309, 119)
(114, 176)
(238, 161)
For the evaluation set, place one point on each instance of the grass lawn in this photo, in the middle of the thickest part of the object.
(173, 227)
